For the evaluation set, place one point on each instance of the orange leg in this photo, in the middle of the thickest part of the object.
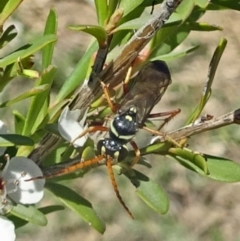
(154, 132)
(107, 95)
(137, 153)
(172, 115)
(114, 184)
(71, 168)
(126, 81)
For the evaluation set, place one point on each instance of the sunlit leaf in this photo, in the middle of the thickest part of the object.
(129, 6)
(173, 55)
(101, 10)
(50, 28)
(96, 31)
(7, 8)
(34, 47)
(78, 75)
(34, 91)
(211, 73)
(39, 104)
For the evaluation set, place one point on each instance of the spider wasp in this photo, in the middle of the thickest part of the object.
(146, 91)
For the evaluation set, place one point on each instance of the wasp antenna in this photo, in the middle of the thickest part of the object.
(90, 130)
(114, 184)
(35, 178)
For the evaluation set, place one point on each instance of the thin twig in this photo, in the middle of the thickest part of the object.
(196, 128)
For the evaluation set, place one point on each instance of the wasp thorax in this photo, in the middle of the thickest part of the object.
(124, 126)
(110, 147)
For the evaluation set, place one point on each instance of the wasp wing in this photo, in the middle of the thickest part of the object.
(147, 89)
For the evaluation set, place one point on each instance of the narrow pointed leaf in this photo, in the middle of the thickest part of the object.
(50, 28)
(102, 8)
(139, 22)
(19, 120)
(129, 6)
(7, 8)
(23, 53)
(201, 26)
(39, 104)
(14, 139)
(96, 31)
(34, 91)
(173, 56)
(230, 4)
(78, 75)
(211, 73)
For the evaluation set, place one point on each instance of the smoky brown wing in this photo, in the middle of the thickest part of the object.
(147, 89)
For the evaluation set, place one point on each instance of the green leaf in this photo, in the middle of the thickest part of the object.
(14, 139)
(18, 68)
(53, 113)
(230, 4)
(101, 7)
(34, 91)
(50, 28)
(156, 148)
(51, 209)
(173, 56)
(78, 75)
(129, 6)
(7, 7)
(201, 26)
(185, 9)
(19, 120)
(39, 104)
(223, 169)
(78, 204)
(8, 35)
(168, 38)
(211, 73)
(112, 5)
(139, 22)
(149, 191)
(30, 214)
(23, 53)
(190, 159)
(202, 3)
(96, 31)
(18, 222)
